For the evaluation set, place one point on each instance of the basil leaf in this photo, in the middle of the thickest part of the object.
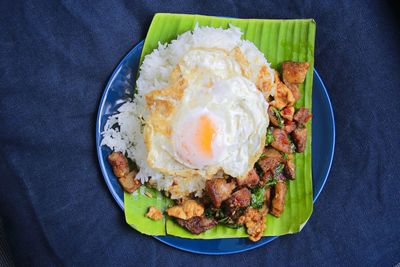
(278, 116)
(257, 197)
(271, 182)
(234, 226)
(223, 220)
(279, 169)
(269, 138)
(209, 213)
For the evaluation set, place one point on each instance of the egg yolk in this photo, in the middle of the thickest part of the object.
(204, 136)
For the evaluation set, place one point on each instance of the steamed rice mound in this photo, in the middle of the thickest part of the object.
(154, 74)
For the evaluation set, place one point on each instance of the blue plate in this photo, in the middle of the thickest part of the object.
(120, 87)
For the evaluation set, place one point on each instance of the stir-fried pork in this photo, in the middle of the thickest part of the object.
(197, 224)
(218, 189)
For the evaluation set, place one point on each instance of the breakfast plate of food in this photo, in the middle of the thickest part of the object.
(216, 135)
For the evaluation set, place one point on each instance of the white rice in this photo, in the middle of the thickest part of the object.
(154, 74)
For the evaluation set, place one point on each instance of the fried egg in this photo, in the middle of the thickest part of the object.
(222, 127)
(211, 117)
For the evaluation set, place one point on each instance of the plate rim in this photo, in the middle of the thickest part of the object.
(120, 203)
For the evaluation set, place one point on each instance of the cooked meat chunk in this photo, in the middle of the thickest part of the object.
(278, 201)
(119, 164)
(186, 210)
(300, 138)
(129, 183)
(269, 161)
(290, 171)
(177, 212)
(287, 113)
(254, 220)
(290, 126)
(294, 72)
(301, 116)
(197, 224)
(251, 180)
(154, 214)
(281, 141)
(270, 152)
(283, 96)
(218, 189)
(239, 199)
(295, 90)
(273, 118)
(267, 164)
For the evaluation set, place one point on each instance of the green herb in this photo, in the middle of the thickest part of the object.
(219, 214)
(223, 220)
(269, 138)
(208, 213)
(234, 226)
(279, 169)
(271, 182)
(278, 116)
(257, 197)
(285, 156)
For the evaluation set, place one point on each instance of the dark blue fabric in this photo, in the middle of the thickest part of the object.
(55, 59)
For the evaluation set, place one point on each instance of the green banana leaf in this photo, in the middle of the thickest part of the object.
(279, 40)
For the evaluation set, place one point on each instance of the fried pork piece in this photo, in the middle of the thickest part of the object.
(254, 220)
(218, 189)
(197, 224)
(187, 209)
(295, 90)
(129, 183)
(154, 214)
(252, 179)
(268, 164)
(294, 72)
(300, 138)
(301, 116)
(278, 201)
(119, 164)
(289, 126)
(239, 199)
(281, 141)
(270, 159)
(289, 170)
(287, 113)
(270, 152)
(283, 96)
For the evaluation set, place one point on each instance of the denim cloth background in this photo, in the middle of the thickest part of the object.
(55, 59)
